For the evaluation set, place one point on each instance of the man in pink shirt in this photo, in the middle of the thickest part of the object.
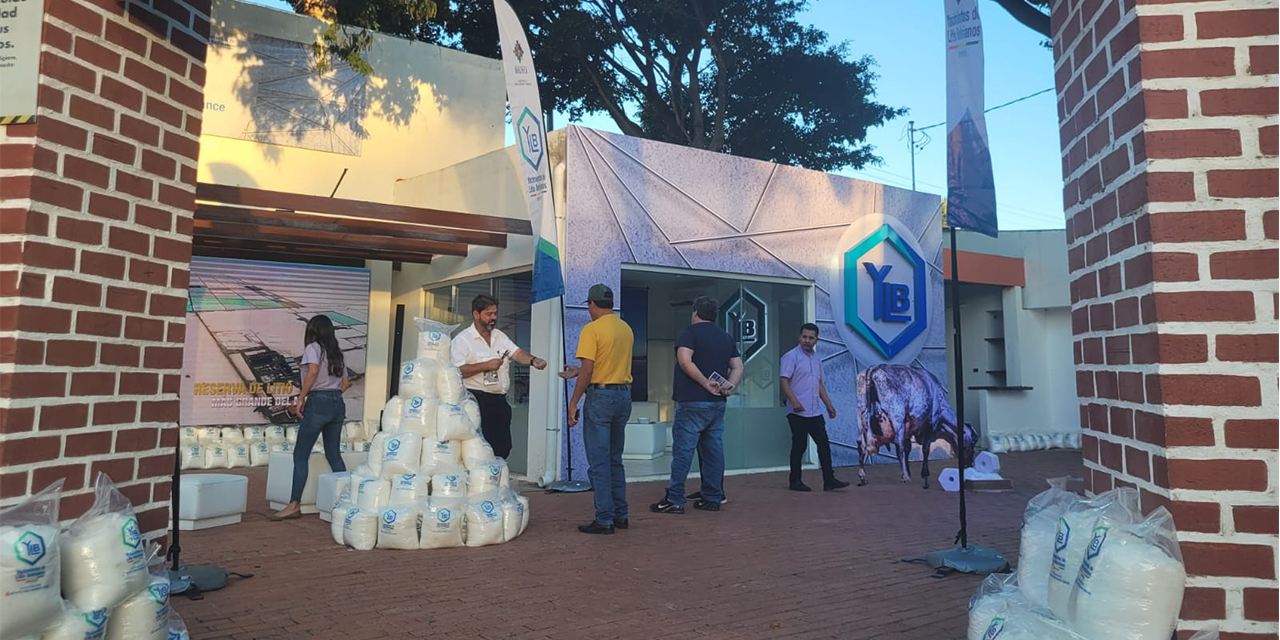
(802, 384)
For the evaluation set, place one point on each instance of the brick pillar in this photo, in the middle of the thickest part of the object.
(1168, 115)
(96, 201)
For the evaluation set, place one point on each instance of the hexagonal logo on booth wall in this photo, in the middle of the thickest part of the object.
(899, 301)
(529, 137)
(745, 317)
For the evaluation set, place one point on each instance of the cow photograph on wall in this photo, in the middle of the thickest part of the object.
(901, 404)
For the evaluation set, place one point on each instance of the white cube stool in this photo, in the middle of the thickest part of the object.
(211, 500)
(328, 487)
(644, 441)
(280, 478)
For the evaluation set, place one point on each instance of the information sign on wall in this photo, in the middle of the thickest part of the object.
(20, 22)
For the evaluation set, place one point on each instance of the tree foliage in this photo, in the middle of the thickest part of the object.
(1033, 14)
(738, 76)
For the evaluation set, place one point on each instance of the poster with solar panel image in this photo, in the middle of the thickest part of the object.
(245, 326)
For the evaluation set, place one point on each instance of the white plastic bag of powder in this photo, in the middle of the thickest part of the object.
(1075, 527)
(484, 522)
(418, 378)
(434, 342)
(373, 494)
(442, 523)
(74, 624)
(419, 417)
(449, 483)
(191, 456)
(145, 615)
(398, 527)
(30, 568)
(360, 529)
(400, 454)
(452, 423)
(103, 559)
(1131, 582)
(1039, 530)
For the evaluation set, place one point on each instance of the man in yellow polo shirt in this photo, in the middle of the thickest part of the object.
(604, 349)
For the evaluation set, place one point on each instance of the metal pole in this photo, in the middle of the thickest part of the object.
(911, 146)
(963, 535)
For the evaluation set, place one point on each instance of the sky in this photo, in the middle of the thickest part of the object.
(907, 40)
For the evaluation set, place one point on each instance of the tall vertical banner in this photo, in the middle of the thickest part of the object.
(971, 188)
(531, 137)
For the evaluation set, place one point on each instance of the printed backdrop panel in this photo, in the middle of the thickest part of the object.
(245, 325)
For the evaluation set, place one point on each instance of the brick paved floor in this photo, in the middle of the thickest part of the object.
(772, 564)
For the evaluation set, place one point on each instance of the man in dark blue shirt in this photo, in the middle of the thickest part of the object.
(708, 368)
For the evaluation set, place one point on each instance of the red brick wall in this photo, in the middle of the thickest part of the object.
(96, 201)
(1168, 116)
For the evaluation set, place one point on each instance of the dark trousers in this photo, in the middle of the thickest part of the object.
(495, 421)
(802, 429)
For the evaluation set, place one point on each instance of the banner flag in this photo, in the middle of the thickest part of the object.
(971, 190)
(531, 138)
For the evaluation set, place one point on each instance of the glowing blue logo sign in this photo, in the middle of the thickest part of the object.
(882, 301)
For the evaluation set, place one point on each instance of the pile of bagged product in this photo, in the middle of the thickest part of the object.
(431, 480)
(1088, 569)
(1033, 441)
(239, 447)
(94, 579)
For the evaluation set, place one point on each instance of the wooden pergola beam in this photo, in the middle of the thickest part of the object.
(209, 228)
(249, 197)
(211, 251)
(292, 220)
(267, 248)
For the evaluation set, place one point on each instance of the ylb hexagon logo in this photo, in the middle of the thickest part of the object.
(96, 619)
(130, 533)
(744, 316)
(886, 292)
(529, 136)
(30, 548)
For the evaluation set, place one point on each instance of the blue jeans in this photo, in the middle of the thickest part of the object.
(698, 425)
(604, 426)
(321, 416)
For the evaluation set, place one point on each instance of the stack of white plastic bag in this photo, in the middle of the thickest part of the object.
(90, 581)
(212, 448)
(1009, 442)
(1094, 569)
(431, 480)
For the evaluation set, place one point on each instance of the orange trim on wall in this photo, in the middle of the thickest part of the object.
(985, 268)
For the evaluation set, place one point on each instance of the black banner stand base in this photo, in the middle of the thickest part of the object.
(568, 486)
(974, 558)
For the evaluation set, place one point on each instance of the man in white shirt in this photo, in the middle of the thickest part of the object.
(483, 353)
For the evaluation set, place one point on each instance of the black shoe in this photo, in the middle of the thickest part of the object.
(697, 495)
(666, 506)
(799, 486)
(706, 505)
(596, 527)
(833, 484)
(622, 524)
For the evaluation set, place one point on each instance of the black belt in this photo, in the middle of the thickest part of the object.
(612, 387)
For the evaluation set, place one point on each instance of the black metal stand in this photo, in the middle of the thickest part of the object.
(962, 557)
(568, 484)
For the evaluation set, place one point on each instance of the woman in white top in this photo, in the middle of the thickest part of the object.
(324, 378)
